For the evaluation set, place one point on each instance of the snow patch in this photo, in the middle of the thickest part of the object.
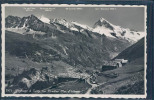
(23, 31)
(64, 49)
(44, 19)
(103, 30)
(83, 26)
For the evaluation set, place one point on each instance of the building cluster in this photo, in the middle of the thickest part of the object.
(116, 63)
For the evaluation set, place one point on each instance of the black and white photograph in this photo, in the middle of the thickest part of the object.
(73, 50)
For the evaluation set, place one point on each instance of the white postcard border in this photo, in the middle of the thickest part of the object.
(69, 95)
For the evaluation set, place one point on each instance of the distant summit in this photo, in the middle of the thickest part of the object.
(103, 22)
(103, 26)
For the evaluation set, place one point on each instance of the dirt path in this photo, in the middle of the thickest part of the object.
(93, 86)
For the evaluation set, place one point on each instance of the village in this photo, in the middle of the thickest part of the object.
(86, 78)
(108, 65)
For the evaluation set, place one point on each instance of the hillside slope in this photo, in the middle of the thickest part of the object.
(128, 79)
(133, 52)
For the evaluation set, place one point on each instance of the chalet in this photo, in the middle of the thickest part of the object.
(110, 65)
(123, 61)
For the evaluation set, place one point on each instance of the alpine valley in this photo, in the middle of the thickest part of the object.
(56, 56)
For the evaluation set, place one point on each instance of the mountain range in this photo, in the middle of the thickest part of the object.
(69, 41)
(102, 26)
(64, 48)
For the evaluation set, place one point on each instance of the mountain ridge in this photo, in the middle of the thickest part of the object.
(102, 26)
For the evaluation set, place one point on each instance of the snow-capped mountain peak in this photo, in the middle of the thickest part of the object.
(102, 20)
(57, 20)
(72, 25)
(44, 19)
(104, 23)
(82, 25)
(103, 26)
(61, 21)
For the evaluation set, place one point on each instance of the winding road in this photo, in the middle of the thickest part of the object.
(92, 86)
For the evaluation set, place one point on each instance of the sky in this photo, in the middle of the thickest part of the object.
(127, 17)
